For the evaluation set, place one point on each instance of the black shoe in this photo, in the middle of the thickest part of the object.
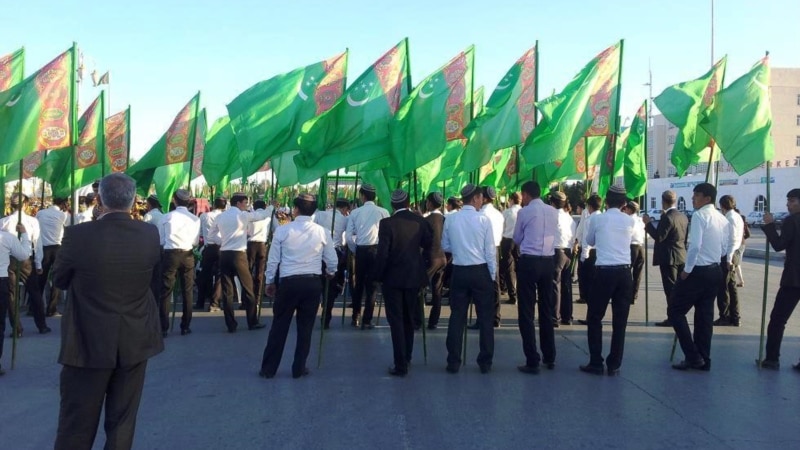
(722, 322)
(612, 372)
(432, 326)
(356, 322)
(770, 364)
(232, 330)
(395, 372)
(367, 325)
(550, 365)
(474, 326)
(566, 322)
(486, 369)
(736, 323)
(582, 322)
(664, 323)
(595, 370)
(185, 331)
(453, 368)
(555, 324)
(497, 324)
(531, 370)
(302, 373)
(257, 326)
(54, 314)
(509, 302)
(350, 305)
(796, 367)
(580, 300)
(44, 330)
(263, 374)
(697, 365)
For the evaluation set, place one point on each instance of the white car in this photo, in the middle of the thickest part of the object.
(655, 214)
(755, 218)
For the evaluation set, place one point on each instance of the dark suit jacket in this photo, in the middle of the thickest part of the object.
(111, 319)
(788, 240)
(436, 221)
(670, 238)
(401, 240)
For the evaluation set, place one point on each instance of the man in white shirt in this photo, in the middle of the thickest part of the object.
(698, 283)
(300, 247)
(154, 216)
(51, 224)
(232, 228)
(469, 237)
(19, 248)
(588, 254)
(637, 248)
(728, 295)
(86, 215)
(30, 268)
(257, 248)
(209, 282)
(338, 218)
(181, 234)
(362, 238)
(611, 234)
(497, 221)
(562, 278)
(509, 250)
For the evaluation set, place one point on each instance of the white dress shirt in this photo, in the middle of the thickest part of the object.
(181, 229)
(9, 223)
(362, 225)
(708, 238)
(51, 224)
(85, 216)
(155, 217)
(638, 231)
(469, 237)
(232, 227)
(535, 232)
(510, 220)
(611, 234)
(497, 220)
(257, 230)
(565, 231)
(300, 247)
(323, 218)
(735, 233)
(583, 229)
(206, 221)
(11, 246)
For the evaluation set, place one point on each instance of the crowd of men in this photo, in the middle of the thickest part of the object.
(464, 246)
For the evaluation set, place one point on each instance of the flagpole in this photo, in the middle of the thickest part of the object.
(766, 275)
(327, 280)
(194, 140)
(128, 133)
(15, 327)
(102, 132)
(347, 255)
(73, 122)
(644, 205)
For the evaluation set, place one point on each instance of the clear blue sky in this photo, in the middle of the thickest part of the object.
(161, 52)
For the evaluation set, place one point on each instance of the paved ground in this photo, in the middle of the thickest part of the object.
(203, 392)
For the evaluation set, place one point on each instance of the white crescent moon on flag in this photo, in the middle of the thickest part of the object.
(423, 94)
(13, 101)
(301, 94)
(502, 85)
(356, 103)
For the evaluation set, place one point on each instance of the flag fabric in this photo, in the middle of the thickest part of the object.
(741, 120)
(36, 113)
(221, 153)
(11, 69)
(586, 107)
(266, 118)
(611, 162)
(580, 164)
(491, 174)
(686, 105)
(635, 159)
(435, 112)
(118, 137)
(355, 131)
(199, 145)
(104, 79)
(508, 118)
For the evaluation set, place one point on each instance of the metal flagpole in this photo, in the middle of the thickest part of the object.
(766, 275)
(327, 280)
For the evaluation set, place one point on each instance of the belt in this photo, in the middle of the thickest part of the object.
(366, 246)
(710, 266)
(300, 277)
(212, 245)
(526, 256)
(176, 250)
(617, 267)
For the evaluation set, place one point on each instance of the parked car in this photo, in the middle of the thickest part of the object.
(755, 218)
(780, 217)
(655, 214)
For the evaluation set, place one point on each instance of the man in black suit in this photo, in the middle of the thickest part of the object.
(401, 240)
(110, 327)
(435, 259)
(669, 251)
(789, 292)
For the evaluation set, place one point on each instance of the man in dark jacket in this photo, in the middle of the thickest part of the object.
(401, 240)
(435, 259)
(789, 292)
(111, 326)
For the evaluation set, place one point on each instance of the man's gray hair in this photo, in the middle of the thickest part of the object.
(117, 192)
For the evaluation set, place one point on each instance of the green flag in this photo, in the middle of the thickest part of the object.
(266, 118)
(741, 120)
(580, 164)
(11, 69)
(356, 128)
(434, 114)
(118, 140)
(611, 162)
(588, 106)
(508, 118)
(686, 105)
(492, 172)
(37, 113)
(221, 153)
(635, 150)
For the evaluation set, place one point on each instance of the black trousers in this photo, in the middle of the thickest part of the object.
(509, 258)
(728, 293)
(295, 294)
(234, 264)
(29, 278)
(257, 259)
(669, 277)
(401, 306)
(85, 391)
(562, 285)
(637, 265)
(476, 284)
(785, 302)
(614, 284)
(48, 259)
(586, 275)
(436, 270)
(209, 282)
(335, 284)
(4, 297)
(536, 276)
(176, 264)
(698, 292)
(365, 281)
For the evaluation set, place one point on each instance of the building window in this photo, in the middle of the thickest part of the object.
(798, 121)
(798, 141)
(681, 204)
(652, 203)
(671, 140)
(759, 204)
(798, 99)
